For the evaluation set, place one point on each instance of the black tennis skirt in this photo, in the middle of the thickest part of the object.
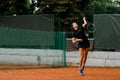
(84, 44)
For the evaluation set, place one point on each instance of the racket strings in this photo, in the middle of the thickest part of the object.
(91, 27)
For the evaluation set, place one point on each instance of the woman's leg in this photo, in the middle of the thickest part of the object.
(85, 56)
(81, 68)
(81, 50)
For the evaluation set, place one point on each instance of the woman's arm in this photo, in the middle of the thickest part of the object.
(74, 40)
(79, 40)
(85, 22)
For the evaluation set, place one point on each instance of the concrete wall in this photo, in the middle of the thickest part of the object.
(38, 57)
(95, 58)
(46, 57)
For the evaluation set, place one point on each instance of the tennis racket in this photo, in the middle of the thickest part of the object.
(90, 27)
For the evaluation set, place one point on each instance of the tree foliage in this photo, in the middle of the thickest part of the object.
(10, 7)
(107, 6)
(66, 11)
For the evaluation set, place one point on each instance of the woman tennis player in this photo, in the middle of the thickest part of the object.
(79, 37)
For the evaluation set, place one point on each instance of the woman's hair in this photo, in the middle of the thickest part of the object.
(72, 29)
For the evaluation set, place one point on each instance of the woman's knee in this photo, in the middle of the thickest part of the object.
(82, 56)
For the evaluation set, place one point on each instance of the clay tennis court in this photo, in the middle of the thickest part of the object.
(69, 73)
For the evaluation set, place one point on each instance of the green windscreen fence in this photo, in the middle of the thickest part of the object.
(50, 45)
(107, 35)
(16, 38)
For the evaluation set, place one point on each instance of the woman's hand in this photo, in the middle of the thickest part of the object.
(84, 19)
(74, 40)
